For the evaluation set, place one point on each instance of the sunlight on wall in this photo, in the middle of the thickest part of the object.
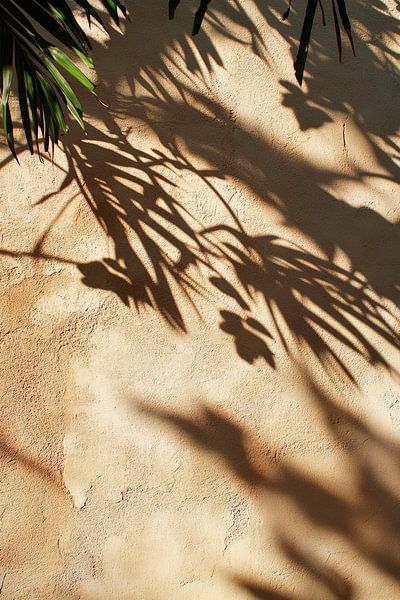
(199, 320)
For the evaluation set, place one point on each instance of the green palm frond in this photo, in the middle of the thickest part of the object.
(306, 31)
(37, 37)
(38, 64)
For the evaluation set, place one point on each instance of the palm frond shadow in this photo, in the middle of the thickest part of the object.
(154, 237)
(335, 88)
(163, 254)
(367, 522)
(309, 300)
(293, 187)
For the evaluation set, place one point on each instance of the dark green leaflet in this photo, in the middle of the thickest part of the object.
(37, 64)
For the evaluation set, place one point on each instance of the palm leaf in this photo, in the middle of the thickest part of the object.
(44, 93)
(305, 37)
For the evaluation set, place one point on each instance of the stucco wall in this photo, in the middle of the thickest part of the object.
(199, 328)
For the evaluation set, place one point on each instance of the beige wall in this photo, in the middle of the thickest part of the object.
(199, 335)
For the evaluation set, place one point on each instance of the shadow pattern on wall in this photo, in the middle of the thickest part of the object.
(161, 251)
(367, 521)
(164, 257)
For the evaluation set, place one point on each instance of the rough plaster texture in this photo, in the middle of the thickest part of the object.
(199, 324)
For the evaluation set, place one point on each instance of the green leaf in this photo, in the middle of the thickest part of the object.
(27, 26)
(6, 63)
(199, 16)
(305, 40)
(8, 128)
(337, 31)
(172, 6)
(23, 97)
(346, 22)
(64, 61)
(38, 35)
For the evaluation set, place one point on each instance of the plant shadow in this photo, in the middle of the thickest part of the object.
(162, 251)
(366, 520)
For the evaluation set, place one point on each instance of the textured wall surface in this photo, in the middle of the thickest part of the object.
(199, 328)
